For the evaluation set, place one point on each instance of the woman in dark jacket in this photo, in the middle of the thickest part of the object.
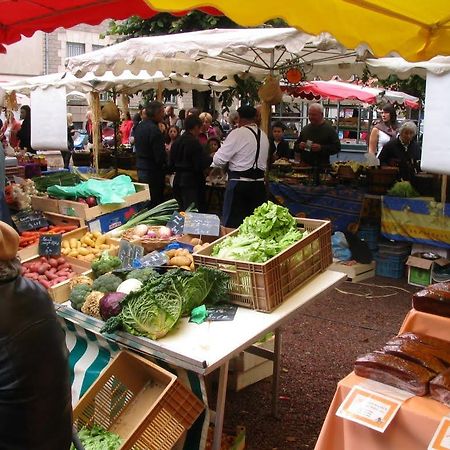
(35, 399)
(189, 160)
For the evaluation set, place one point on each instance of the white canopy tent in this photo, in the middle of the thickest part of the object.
(383, 67)
(223, 53)
(126, 83)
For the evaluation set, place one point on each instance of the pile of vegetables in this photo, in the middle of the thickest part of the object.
(88, 247)
(159, 215)
(143, 231)
(97, 438)
(106, 263)
(28, 238)
(47, 271)
(264, 234)
(60, 178)
(155, 309)
(403, 189)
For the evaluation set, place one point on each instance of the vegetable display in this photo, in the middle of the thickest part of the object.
(264, 234)
(106, 263)
(91, 305)
(47, 271)
(88, 247)
(97, 438)
(403, 189)
(159, 215)
(145, 274)
(78, 295)
(156, 308)
(28, 238)
(60, 178)
(110, 304)
(106, 283)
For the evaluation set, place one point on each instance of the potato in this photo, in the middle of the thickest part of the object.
(180, 261)
(73, 243)
(65, 251)
(65, 244)
(83, 251)
(185, 268)
(192, 266)
(73, 253)
(198, 247)
(181, 252)
(196, 241)
(100, 240)
(170, 253)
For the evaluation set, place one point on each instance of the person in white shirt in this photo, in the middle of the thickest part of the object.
(244, 153)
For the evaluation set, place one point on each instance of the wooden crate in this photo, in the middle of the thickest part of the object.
(355, 271)
(45, 204)
(264, 286)
(141, 402)
(72, 208)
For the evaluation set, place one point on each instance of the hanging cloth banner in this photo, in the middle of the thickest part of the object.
(49, 119)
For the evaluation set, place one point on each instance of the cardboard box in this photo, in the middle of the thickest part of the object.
(246, 361)
(422, 248)
(355, 271)
(108, 222)
(240, 380)
(71, 208)
(420, 270)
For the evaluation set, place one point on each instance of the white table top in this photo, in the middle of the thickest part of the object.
(203, 348)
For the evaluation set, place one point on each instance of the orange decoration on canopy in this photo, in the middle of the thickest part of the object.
(294, 75)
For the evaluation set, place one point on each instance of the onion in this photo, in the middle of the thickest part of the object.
(140, 230)
(151, 234)
(164, 232)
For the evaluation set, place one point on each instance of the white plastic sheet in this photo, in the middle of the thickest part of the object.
(49, 119)
(436, 136)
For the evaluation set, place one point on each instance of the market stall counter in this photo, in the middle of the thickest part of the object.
(415, 423)
(211, 345)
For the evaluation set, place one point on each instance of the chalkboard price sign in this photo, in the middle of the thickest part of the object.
(201, 224)
(154, 259)
(176, 223)
(29, 220)
(50, 245)
(128, 252)
(222, 313)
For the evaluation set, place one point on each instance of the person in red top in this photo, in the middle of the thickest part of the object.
(126, 127)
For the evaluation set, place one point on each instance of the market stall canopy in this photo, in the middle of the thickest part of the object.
(24, 17)
(416, 30)
(339, 91)
(224, 53)
(384, 67)
(126, 83)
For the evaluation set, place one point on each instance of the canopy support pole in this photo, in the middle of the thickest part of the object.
(96, 114)
(125, 100)
(444, 190)
(159, 93)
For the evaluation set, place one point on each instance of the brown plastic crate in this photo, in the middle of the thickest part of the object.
(141, 402)
(264, 286)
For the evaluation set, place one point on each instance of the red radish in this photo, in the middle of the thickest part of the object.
(61, 260)
(45, 283)
(43, 259)
(59, 280)
(53, 262)
(51, 276)
(64, 266)
(91, 201)
(52, 270)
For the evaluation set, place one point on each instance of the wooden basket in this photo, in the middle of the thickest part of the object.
(141, 402)
(149, 244)
(264, 286)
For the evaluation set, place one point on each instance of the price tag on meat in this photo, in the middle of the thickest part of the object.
(369, 408)
(50, 245)
(201, 224)
(441, 438)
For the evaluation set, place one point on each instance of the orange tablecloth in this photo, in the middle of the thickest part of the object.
(416, 421)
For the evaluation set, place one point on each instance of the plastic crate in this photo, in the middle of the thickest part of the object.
(388, 248)
(141, 402)
(390, 266)
(264, 286)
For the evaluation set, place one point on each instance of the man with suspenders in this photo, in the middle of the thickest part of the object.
(244, 153)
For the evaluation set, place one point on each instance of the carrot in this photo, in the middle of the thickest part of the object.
(29, 233)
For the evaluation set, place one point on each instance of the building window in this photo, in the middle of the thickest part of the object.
(96, 47)
(75, 49)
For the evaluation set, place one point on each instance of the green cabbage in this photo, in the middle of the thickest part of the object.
(97, 438)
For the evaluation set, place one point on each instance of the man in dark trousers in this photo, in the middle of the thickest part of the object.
(189, 161)
(245, 153)
(318, 140)
(151, 159)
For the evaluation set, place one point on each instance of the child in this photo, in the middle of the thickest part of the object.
(279, 148)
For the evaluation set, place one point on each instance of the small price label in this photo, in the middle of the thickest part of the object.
(368, 408)
(129, 252)
(49, 245)
(176, 223)
(201, 224)
(154, 259)
(441, 438)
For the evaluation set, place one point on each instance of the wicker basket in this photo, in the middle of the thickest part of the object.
(264, 286)
(149, 244)
(141, 402)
